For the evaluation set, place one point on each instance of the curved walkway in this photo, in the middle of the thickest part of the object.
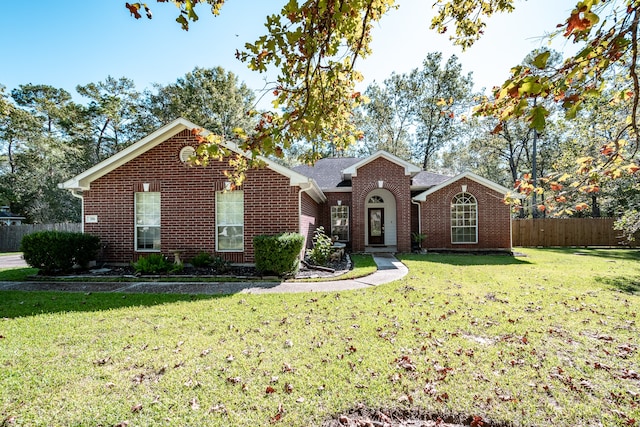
(389, 269)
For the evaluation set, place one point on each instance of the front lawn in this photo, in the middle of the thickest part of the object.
(547, 339)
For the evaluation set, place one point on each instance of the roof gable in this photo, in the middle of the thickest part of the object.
(83, 181)
(409, 168)
(327, 172)
(470, 175)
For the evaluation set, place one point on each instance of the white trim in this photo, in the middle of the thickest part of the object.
(475, 220)
(409, 168)
(337, 190)
(470, 175)
(340, 207)
(136, 225)
(217, 204)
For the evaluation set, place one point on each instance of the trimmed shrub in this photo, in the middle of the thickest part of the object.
(59, 251)
(278, 254)
(204, 259)
(155, 264)
(321, 250)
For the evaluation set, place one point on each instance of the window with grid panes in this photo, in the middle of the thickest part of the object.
(230, 221)
(147, 213)
(340, 222)
(464, 219)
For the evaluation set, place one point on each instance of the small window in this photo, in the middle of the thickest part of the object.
(376, 200)
(147, 206)
(464, 219)
(230, 221)
(340, 222)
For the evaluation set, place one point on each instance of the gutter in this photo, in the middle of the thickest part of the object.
(304, 187)
(74, 193)
(419, 216)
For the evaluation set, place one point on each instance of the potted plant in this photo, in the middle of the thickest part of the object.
(417, 239)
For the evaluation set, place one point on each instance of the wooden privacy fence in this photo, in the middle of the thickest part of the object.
(566, 232)
(11, 236)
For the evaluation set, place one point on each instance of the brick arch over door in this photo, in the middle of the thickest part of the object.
(394, 180)
(390, 208)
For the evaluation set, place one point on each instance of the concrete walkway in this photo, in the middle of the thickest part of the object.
(389, 269)
(12, 261)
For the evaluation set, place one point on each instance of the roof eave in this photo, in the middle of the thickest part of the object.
(409, 168)
(477, 178)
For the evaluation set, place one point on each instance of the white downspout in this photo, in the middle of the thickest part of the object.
(419, 218)
(79, 196)
(303, 187)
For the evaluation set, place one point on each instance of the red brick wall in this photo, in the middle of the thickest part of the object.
(494, 218)
(309, 220)
(325, 213)
(187, 203)
(398, 184)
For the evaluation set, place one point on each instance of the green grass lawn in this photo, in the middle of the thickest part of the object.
(548, 339)
(363, 265)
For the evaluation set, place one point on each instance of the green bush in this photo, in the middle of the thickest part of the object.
(59, 251)
(321, 250)
(204, 259)
(155, 264)
(220, 265)
(278, 254)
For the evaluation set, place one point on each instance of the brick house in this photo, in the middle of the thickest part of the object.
(147, 199)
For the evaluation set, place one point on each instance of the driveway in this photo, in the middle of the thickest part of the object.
(12, 261)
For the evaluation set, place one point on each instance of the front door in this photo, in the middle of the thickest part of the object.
(376, 226)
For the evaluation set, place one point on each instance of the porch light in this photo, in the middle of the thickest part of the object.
(145, 187)
(380, 184)
(464, 188)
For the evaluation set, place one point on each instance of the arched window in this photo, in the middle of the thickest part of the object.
(376, 200)
(464, 219)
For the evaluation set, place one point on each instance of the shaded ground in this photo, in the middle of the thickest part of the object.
(398, 417)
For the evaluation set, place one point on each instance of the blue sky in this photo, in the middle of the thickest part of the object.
(72, 42)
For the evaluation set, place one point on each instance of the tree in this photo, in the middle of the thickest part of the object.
(37, 153)
(444, 94)
(415, 115)
(44, 102)
(110, 116)
(387, 120)
(315, 46)
(209, 97)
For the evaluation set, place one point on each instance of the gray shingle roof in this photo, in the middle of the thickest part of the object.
(428, 179)
(328, 173)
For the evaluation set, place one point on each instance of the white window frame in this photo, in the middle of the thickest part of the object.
(464, 216)
(145, 217)
(226, 218)
(340, 212)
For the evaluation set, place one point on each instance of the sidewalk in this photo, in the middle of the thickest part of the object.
(389, 269)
